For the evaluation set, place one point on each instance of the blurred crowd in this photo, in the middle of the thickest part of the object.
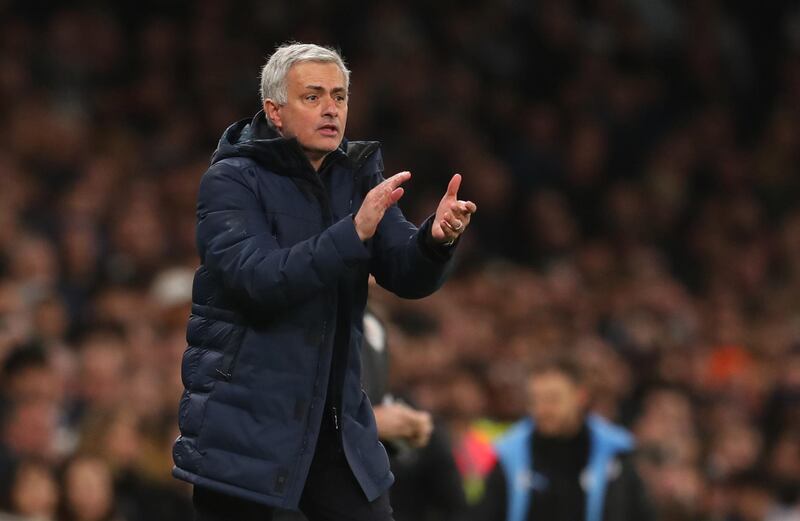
(635, 163)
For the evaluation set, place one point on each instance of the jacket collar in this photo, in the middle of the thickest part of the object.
(257, 139)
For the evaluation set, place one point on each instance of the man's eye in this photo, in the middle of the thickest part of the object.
(340, 98)
(311, 97)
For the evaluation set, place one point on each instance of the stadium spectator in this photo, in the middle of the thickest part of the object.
(563, 463)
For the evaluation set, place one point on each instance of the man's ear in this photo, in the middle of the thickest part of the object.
(272, 111)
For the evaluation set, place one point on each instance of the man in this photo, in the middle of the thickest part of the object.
(428, 484)
(402, 426)
(291, 220)
(563, 464)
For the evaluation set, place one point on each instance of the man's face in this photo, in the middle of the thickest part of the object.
(556, 403)
(316, 108)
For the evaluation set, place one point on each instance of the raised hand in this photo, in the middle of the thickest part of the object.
(452, 215)
(376, 202)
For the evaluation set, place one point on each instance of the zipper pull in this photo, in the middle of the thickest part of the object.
(335, 418)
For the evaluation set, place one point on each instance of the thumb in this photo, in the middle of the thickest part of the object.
(454, 185)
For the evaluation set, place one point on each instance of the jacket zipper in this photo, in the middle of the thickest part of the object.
(334, 383)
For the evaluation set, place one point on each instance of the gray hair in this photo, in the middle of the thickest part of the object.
(273, 75)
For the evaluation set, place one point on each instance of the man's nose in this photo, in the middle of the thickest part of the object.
(329, 107)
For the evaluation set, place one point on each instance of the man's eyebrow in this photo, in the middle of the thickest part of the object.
(320, 88)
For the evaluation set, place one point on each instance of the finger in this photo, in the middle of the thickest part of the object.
(463, 207)
(395, 196)
(455, 224)
(398, 179)
(449, 226)
(454, 185)
(460, 209)
(426, 420)
(470, 206)
(446, 231)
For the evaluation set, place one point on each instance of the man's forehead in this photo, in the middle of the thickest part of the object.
(325, 74)
(552, 377)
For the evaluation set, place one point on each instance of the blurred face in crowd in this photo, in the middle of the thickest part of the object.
(103, 362)
(316, 108)
(31, 428)
(88, 489)
(34, 492)
(36, 382)
(557, 403)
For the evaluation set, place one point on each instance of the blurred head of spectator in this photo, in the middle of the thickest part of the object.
(465, 394)
(558, 397)
(102, 368)
(32, 492)
(735, 445)
(29, 429)
(115, 436)
(87, 491)
(34, 264)
(783, 465)
(29, 375)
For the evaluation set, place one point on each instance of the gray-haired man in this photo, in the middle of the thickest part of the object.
(291, 219)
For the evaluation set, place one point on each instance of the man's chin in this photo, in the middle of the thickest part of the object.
(330, 144)
(549, 431)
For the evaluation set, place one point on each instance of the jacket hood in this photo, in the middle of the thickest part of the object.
(256, 139)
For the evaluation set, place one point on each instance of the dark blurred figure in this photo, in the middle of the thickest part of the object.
(563, 463)
(30, 491)
(427, 486)
(120, 439)
(87, 489)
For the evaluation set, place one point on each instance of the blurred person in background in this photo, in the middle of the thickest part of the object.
(29, 429)
(30, 492)
(28, 374)
(123, 442)
(87, 491)
(427, 486)
(291, 219)
(784, 476)
(563, 463)
(472, 433)
(670, 455)
(31, 397)
(104, 362)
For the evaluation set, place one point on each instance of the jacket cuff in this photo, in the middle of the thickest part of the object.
(436, 251)
(347, 241)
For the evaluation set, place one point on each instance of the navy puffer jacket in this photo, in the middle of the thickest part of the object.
(282, 269)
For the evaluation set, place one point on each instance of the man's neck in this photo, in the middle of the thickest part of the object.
(567, 433)
(316, 163)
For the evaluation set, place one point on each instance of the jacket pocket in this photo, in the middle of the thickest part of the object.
(231, 353)
(223, 330)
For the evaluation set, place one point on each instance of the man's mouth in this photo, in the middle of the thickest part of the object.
(329, 130)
